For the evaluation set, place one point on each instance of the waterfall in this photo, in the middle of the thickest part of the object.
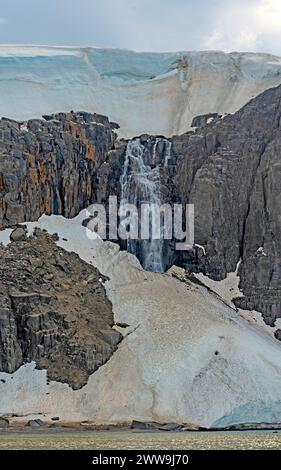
(167, 152)
(141, 184)
(154, 150)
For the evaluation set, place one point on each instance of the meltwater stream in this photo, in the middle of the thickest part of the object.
(140, 183)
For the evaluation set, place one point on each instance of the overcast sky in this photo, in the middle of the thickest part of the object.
(145, 25)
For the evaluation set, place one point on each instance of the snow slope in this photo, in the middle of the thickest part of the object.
(186, 356)
(157, 93)
(228, 289)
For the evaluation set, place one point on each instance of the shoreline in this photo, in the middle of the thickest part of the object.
(49, 428)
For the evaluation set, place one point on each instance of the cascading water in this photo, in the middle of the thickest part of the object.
(167, 153)
(140, 183)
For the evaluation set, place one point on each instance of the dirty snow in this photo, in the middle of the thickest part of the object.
(187, 357)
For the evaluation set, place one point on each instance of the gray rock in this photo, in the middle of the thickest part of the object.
(202, 120)
(140, 425)
(111, 336)
(18, 235)
(50, 168)
(277, 334)
(36, 323)
(253, 426)
(170, 427)
(4, 423)
(35, 423)
(228, 168)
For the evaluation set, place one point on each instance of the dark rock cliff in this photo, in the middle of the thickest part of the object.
(50, 166)
(53, 311)
(235, 189)
(229, 169)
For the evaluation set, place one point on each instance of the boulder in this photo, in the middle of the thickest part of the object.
(170, 427)
(277, 334)
(142, 426)
(111, 337)
(54, 425)
(18, 235)
(35, 423)
(4, 423)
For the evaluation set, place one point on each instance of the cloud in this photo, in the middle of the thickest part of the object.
(146, 25)
(154, 25)
(247, 26)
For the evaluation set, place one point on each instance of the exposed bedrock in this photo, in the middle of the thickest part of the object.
(230, 170)
(228, 167)
(49, 166)
(53, 311)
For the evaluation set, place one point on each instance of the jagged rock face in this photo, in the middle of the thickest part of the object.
(49, 166)
(235, 192)
(203, 119)
(229, 169)
(53, 311)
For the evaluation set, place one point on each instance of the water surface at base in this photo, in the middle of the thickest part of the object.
(119, 440)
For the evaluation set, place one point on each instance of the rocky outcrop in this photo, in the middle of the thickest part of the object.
(200, 121)
(4, 423)
(228, 168)
(53, 311)
(49, 166)
(235, 193)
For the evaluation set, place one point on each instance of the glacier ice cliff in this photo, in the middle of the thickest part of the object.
(157, 93)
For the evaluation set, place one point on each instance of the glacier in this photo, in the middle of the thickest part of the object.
(156, 93)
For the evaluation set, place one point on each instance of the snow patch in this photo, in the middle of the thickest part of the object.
(201, 247)
(227, 289)
(5, 236)
(260, 250)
